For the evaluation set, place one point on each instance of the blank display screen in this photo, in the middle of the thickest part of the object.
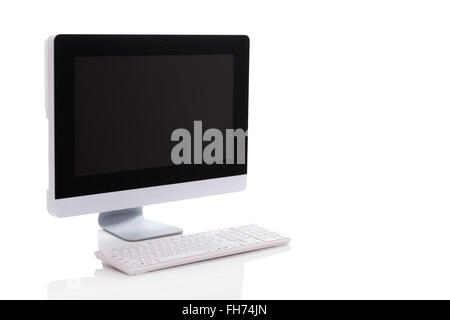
(126, 107)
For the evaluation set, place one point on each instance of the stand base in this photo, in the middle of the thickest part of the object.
(130, 225)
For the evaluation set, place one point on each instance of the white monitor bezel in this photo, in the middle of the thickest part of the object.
(117, 200)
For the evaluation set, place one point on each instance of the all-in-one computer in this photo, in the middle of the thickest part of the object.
(136, 120)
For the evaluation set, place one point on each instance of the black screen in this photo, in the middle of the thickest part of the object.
(126, 107)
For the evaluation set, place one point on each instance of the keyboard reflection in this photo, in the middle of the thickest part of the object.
(220, 278)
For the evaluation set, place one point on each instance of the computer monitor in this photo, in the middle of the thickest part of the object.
(137, 119)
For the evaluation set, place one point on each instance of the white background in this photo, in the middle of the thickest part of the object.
(349, 152)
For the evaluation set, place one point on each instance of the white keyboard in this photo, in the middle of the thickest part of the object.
(164, 252)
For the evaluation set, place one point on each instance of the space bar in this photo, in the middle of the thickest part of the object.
(181, 256)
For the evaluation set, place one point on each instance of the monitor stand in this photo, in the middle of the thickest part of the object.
(130, 225)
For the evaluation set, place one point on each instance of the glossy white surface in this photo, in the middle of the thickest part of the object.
(214, 279)
(348, 150)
